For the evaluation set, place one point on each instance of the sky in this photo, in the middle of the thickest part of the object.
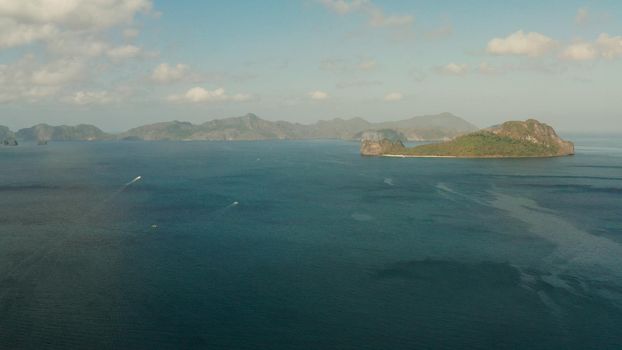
(124, 63)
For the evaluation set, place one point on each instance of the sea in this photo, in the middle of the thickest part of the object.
(307, 245)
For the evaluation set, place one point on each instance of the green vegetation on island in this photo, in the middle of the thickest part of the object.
(511, 139)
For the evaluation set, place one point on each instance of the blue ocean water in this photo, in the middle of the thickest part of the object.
(307, 245)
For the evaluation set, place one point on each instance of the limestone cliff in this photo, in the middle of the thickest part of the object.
(534, 132)
(381, 147)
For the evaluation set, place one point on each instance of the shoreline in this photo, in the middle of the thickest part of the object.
(414, 156)
(470, 157)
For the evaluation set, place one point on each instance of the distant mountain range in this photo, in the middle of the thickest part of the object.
(44, 132)
(250, 127)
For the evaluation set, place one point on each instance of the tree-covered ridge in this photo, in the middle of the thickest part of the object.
(511, 139)
(485, 143)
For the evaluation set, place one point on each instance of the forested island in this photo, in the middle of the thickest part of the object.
(512, 139)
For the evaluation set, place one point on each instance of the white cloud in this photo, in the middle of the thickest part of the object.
(26, 93)
(23, 22)
(74, 14)
(30, 80)
(318, 95)
(339, 65)
(535, 44)
(531, 44)
(164, 73)
(583, 16)
(201, 95)
(59, 73)
(358, 84)
(334, 65)
(393, 97)
(377, 18)
(604, 46)
(454, 69)
(487, 68)
(69, 44)
(62, 38)
(90, 98)
(367, 65)
(610, 47)
(444, 31)
(124, 52)
(344, 6)
(375, 15)
(130, 33)
(13, 33)
(579, 51)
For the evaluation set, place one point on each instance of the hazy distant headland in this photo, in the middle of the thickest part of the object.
(44, 132)
(7, 137)
(250, 127)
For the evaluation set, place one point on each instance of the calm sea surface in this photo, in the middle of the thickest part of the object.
(307, 245)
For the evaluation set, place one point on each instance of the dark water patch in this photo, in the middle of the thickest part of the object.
(584, 177)
(599, 166)
(467, 298)
(539, 210)
(522, 302)
(573, 188)
(28, 187)
(451, 273)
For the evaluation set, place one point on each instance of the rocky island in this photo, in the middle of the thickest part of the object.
(7, 137)
(513, 139)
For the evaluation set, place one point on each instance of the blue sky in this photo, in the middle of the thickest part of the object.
(123, 63)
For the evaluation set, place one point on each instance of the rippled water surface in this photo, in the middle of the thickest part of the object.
(307, 245)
